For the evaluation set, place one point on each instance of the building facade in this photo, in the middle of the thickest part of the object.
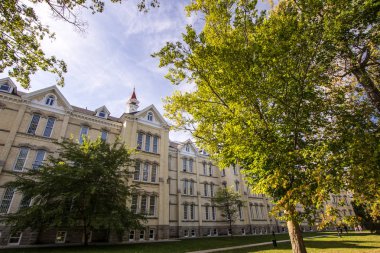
(177, 181)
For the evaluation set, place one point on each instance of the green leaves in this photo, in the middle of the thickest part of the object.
(86, 184)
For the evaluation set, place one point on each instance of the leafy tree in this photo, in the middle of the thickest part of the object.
(86, 186)
(269, 94)
(21, 33)
(228, 202)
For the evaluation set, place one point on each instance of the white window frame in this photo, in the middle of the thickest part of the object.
(152, 234)
(64, 237)
(15, 243)
(133, 234)
(44, 134)
(23, 160)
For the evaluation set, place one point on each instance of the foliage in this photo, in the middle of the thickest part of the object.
(86, 186)
(21, 33)
(279, 93)
(228, 202)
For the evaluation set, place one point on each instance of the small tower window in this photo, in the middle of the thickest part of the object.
(50, 100)
(150, 116)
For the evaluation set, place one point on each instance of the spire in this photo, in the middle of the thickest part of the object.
(132, 103)
(134, 94)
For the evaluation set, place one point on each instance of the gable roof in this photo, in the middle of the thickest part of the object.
(154, 109)
(46, 90)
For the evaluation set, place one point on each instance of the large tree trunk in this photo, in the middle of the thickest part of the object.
(295, 235)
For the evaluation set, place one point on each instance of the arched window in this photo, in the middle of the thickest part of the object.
(150, 116)
(50, 100)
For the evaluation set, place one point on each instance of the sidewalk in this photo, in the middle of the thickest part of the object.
(247, 246)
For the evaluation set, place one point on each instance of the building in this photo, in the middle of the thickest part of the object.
(177, 180)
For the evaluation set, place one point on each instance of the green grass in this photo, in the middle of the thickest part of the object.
(351, 243)
(179, 246)
(361, 242)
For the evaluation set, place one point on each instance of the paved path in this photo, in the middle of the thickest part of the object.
(247, 246)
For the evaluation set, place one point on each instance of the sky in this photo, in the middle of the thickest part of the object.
(114, 55)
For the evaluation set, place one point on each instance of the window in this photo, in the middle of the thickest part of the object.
(153, 175)
(25, 202)
(204, 168)
(152, 205)
(191, 190)
(131, 235)
(147, 143)
(186, 233)
(185, 214)
(210, 169)
(243, 231)
(49, 127)
(40, 155)
(184, 164)
(207, 215)
(185, 183)
(257, 211)
(139, 140)
(240, 212)
(150, 116)
(193, 233)
(102, 114)
(136, 174)
(143, 204)
(7, 199)
(155, 144)
(187, 148)
(205, 189)
(151, 234)
(15, 238)
(237, 186)
(83, 133)
(213, 212)
(50, 100)
(234, 169)
(142, 234)
(191, 165)
(223, 172)
(60, 237)
(134, 204)
(262, 211)
(145, 172)
(33, 124)
(5, 87)
(104, 135)
(20, 162)
(192, 214)
(215, 232)
(212, 190)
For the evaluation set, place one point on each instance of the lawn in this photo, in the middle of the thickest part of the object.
(361, 242)
(179, 246)
(353, 242)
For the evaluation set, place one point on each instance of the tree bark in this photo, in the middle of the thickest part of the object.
(295, 235)
(369, 86)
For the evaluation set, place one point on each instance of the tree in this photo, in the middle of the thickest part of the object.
(86, 186)
(21, 33)
(229, 203)
(265, 96)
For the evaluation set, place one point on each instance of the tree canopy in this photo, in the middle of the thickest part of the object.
(229, 203)
(21, 33)
(85, 186)
(279, 93)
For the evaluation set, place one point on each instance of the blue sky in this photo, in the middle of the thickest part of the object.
(113, 55)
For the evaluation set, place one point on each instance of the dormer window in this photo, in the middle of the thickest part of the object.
(102, 114)
(150, 116)
(187, 148)
(50, 100)
(5, 87)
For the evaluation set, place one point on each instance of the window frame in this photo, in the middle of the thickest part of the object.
(22, 159)
(49, 129)
(33, 125)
